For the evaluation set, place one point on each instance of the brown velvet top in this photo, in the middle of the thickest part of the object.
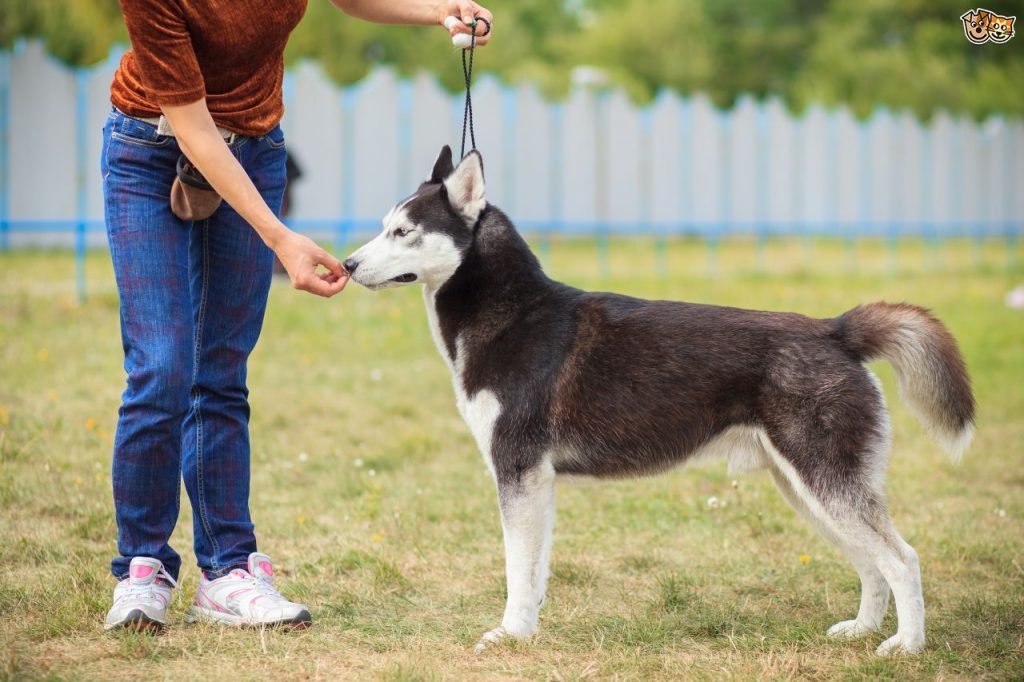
(229, 51)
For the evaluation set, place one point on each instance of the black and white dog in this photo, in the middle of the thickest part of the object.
(553, 380)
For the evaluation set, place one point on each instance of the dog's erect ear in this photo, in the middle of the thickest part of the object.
(442, 167)
(465, 187)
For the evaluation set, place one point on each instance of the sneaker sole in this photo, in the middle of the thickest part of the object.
(199, 614)
(138, 621)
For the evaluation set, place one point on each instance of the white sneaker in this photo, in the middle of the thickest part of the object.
(246, 598)
(141, 599)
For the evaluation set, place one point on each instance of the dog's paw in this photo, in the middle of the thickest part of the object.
(850, 629)
(900, 644)
(489, 639)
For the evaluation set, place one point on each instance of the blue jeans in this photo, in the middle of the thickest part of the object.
(192, 300)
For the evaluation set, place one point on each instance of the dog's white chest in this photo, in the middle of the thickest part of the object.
(481, 411)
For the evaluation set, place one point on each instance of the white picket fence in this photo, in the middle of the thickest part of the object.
(595, 163)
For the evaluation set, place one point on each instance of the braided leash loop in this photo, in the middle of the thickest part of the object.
(467, 113)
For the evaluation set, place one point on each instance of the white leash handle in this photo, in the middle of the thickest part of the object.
(460, 40)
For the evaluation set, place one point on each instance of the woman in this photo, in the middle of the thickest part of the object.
(203, 80)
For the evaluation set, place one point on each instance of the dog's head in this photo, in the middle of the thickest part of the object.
(426, 235)
(976, 25)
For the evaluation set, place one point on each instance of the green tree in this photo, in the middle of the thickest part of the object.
(911, 54)
(860, 53)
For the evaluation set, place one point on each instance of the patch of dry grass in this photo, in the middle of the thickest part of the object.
(370, 495)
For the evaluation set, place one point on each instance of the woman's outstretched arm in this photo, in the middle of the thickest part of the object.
(426, 12)
(198, 138)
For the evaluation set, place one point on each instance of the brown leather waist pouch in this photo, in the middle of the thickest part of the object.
(192, 197)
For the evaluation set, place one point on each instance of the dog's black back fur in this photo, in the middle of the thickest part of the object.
(608, 385)
(630, 386)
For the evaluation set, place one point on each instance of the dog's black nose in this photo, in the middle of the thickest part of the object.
(350, 265)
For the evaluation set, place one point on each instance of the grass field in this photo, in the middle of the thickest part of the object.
(370, 495)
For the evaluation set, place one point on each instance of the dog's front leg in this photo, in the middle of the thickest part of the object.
(527, 520)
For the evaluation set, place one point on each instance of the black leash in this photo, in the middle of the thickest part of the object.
(467, 72)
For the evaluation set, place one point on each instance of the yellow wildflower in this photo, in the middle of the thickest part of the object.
(805, 559)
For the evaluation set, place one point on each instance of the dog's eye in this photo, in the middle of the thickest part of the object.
(401, 231)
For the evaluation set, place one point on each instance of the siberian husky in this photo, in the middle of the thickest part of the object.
(553, 380)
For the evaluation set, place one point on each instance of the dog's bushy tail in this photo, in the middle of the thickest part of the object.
(932, 378)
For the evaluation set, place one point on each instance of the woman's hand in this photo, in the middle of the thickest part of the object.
(467, 10)
(301, 257)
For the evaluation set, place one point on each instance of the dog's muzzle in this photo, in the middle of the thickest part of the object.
(351, 265)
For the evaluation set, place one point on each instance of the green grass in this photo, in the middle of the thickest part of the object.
(401, 557)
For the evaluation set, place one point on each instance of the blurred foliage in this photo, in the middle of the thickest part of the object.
(77, 32)
(859, 53)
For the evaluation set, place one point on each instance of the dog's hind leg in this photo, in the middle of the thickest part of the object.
(527, 520)
(855, 517)
(871, 533)
(874, 594)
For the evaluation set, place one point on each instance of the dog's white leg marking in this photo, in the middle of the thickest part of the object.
(870, 534)
(902, 570)
(527, 520)
(540, 583)
(874, 599)
(874, 595)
